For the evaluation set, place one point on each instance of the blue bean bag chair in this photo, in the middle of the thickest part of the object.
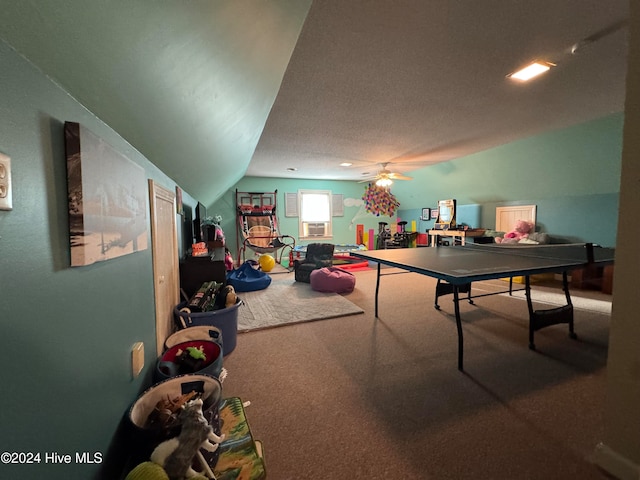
(247, 278)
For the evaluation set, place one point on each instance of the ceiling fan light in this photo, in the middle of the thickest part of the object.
(530, 71)
(383, 182)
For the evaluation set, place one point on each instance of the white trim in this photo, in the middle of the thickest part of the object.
(615, 464)
(303, 230)
(166, 270)
(292, 206)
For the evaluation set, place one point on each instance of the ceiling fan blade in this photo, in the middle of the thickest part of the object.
(385, 174)
(399, 176)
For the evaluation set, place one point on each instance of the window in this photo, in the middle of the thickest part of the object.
(314, 220)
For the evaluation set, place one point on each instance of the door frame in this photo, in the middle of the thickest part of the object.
(164, 326)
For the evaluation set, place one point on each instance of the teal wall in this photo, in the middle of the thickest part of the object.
(67, 332)
(344, 228)
(572, 176)
(465, 215)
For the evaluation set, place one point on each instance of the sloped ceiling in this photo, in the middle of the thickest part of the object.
(188, 84)
(212, 90)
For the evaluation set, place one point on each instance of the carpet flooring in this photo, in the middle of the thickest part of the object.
(286, 301)
(369, 398)
(551, 296)
(558, 299)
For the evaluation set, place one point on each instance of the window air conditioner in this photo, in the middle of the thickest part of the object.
(315, 229)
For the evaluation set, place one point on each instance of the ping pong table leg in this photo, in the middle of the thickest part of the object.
(377, 289)
(456, 308)
(446, 288)
(544, 318)
(436, 306)
(527, 293)
(565, 287)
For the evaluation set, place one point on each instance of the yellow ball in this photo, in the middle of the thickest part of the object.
(266, 262)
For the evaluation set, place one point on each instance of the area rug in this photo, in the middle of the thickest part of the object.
(558, 299)
(286, 301)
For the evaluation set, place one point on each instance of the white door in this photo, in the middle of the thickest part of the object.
(164, 242)
(506, 217)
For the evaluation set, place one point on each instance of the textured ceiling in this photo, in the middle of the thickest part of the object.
(414, 82)
(211, 91)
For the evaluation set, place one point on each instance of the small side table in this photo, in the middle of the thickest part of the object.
(462, 234)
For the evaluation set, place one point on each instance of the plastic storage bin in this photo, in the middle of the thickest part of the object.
(147, 435)
(226, 319)
(208, 338)
(204, 332)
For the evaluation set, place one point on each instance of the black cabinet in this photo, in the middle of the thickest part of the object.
(194, 271)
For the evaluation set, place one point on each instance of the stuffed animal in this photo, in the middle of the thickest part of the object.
(228, 260)
(520, 231)
(230, 297)
(177, 454)
(226, 297)
(191, 359)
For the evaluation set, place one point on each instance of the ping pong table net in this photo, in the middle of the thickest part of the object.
(587, 252)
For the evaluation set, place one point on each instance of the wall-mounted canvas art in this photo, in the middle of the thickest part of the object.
(107, 196)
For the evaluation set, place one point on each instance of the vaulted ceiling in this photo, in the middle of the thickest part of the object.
(212, 91)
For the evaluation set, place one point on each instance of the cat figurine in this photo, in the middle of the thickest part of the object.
(176, 455)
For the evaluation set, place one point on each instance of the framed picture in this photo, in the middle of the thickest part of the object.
(426, 214)
(179, 206)
(434, 213)
(107, 199)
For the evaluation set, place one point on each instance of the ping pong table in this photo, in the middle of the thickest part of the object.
(457, 267)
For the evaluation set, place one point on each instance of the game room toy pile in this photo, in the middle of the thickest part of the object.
(182, 427)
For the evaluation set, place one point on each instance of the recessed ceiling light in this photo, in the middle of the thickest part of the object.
(532, 70)
(346, 164)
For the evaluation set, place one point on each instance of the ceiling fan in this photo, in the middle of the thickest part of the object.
(385, 177)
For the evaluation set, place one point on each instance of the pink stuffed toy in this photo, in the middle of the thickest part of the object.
(228, 260)
(521, 230)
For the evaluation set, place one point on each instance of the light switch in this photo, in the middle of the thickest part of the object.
(137, 358)
(5, 183)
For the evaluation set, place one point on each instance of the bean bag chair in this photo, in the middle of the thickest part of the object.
(248, 279)
(332, 280)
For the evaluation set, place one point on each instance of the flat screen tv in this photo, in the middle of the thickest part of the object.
(200, 215)
(187, 227)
